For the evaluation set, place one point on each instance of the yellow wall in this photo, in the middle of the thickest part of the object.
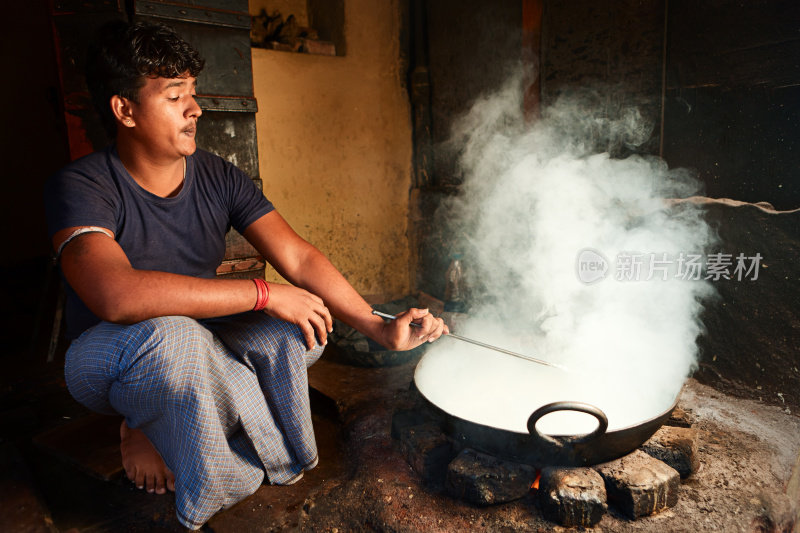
(334, 147)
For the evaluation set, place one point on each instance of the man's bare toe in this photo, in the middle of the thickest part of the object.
(139, 478)
(142, 462)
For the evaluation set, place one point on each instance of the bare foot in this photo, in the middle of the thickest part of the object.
(142, 462)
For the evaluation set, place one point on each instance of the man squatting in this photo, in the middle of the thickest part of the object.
(210, 374)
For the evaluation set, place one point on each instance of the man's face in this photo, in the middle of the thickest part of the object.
(165, 116)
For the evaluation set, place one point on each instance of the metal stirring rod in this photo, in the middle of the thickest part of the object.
(479, 343)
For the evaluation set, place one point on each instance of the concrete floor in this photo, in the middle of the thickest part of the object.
(748, 451)
(48, 483)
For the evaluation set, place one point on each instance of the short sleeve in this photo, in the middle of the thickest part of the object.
(246, 201)
(80, 195)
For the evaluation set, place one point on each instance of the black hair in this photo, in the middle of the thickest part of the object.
(122, 54)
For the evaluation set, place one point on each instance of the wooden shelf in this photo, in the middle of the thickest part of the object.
(305, 46)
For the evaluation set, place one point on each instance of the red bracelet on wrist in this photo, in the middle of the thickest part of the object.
(262, 297)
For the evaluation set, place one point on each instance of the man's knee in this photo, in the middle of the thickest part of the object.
(109, 354)
(167, 358)
(313, 355)
(297, 349)
(265, 340)
(89, 374)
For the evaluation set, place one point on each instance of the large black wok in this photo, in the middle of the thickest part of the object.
(480, 402)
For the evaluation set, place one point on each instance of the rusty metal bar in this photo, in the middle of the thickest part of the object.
(186, 13)
(236, 104)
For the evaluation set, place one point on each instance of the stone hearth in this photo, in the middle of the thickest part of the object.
(639, 484)
(746, 453)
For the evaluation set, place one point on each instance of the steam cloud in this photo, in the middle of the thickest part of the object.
(532, 198)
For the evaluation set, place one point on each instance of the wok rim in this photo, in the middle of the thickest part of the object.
(614, 431)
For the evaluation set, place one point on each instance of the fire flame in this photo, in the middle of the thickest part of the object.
(535, 484)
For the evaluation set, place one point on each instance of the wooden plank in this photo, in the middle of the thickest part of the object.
(731, 43)
(532, 12)
(722, 26)
(90, 443)
(773, 65)
(249, 265)
(23, 509)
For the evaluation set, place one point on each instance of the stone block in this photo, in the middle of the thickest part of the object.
(675, 446)
(427, 450)
(403, 419)
(640, 485)
(572, 497)
(485, 480)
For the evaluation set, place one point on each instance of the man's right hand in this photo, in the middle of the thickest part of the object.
(300, 307)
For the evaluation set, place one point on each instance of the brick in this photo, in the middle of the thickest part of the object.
(572, 497)
(427, 450)
(640, 485)
(680, 418)
(675, 446)
(485, 480)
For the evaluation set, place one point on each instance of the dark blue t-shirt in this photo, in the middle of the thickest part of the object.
(184, 234)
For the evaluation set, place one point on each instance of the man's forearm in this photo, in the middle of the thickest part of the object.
(305, 266)
(112, 289)
(316, 274)
(148, 294)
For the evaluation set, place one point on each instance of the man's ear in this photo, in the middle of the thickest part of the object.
(121, 107)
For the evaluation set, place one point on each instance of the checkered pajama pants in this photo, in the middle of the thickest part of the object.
(225, 401)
